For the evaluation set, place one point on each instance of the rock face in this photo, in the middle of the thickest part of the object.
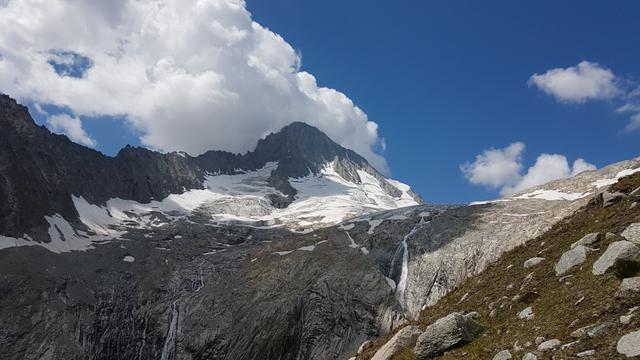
(629, 345)
(632, 233)
(199, 296)
(404, 338)
(446, 333)
(571, 258)
(621, 256)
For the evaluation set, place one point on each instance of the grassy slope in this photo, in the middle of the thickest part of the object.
(553, 302)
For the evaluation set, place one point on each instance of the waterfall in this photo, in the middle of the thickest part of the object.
(169, 347)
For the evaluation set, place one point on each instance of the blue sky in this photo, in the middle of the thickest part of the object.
(444, 80)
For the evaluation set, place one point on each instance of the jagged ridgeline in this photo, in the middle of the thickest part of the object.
(41, 172)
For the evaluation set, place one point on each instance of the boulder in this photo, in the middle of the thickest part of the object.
(609, 198)
(446, 333)
(632, 233)
(601, 329)
(503, 355)
(629, 345)
(623, 257)
(405, 338)
(586, 353)
(588, 239)
(549, 345)
(534, 261)
(629, 289)
(526, 314)
(578, 333)
(529, 356)
(576, 256)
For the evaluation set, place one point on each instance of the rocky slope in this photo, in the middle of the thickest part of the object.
(572, 292)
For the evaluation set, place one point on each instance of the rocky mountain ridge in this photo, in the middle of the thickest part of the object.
(43, 171)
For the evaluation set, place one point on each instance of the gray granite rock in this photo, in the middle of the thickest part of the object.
(620, 256)
(629, 344)
(403, 339)
(588, 239)
(629, 289)
(632, 233)
(570, 259)
(549, 345)
(534, 261)
(446, 333)
(503, 355)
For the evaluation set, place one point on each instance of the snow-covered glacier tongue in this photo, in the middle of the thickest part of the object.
(321, 200)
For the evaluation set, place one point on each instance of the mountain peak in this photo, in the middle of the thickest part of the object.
(301, 149)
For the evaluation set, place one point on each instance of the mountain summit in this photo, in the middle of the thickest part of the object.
(46, 175)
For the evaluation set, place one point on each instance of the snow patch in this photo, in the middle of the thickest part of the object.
(322, 199)
(347, 227)
(552, 195)
(128, 259)
(373, 224)
(611, 181)
(303, 248)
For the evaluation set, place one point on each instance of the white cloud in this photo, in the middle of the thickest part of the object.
(495, 167)
(632, 107)
(548, 167)
(190, 75)
(586, 81)
(502, 169)
(70, 126)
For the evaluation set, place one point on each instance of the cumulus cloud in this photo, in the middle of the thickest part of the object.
(586, 81)
(495, 167)
(503, 169)
(189, 75)
(590, 81)
(72, 127)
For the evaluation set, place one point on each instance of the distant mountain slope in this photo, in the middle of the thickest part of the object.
(45, 176)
